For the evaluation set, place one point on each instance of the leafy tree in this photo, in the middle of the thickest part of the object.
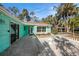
(74, 23)
(50, 20)
(66, 11)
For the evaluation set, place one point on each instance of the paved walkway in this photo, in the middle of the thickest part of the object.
(46, 41)
(49, 45)
(25, 47)
(60, 46)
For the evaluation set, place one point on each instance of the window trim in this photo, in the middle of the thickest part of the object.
(41, 29)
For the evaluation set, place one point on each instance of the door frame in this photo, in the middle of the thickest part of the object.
(30, 30)
(15, 36)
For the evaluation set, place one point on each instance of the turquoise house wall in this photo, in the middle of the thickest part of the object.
(5, 40)
(4, 34)
(23, 32)
(26, 30)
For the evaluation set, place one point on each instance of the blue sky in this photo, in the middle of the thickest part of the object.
(41, 9)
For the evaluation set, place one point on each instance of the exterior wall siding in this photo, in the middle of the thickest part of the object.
(26, 30)
(5, 39)
(23, 32)
(4, 34)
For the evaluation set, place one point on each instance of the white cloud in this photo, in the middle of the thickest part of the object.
(44, 12)
(51, 8)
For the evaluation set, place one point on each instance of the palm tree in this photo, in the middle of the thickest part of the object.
(32, 13)
(66, 11)
(33, 16)
(14, 10)
(25, 14)
(74, 23)
(20, 17)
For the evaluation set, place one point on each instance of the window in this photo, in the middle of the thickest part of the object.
(41, 29)
(38, 29)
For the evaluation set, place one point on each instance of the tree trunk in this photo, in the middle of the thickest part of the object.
(67, 29)
(67, 26)
(73, 32)
(67, 23)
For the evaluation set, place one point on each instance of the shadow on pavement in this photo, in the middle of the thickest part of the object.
(66, 47)
(28, 46)
(44, 48)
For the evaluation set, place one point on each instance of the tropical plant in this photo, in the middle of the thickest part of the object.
(20, 17)
(25, 12)
(14, 10)
(32, 13)
(66, 11)
(53, 21)
(34, 17)
(74, 23)
(24, 15)
(50, 20)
